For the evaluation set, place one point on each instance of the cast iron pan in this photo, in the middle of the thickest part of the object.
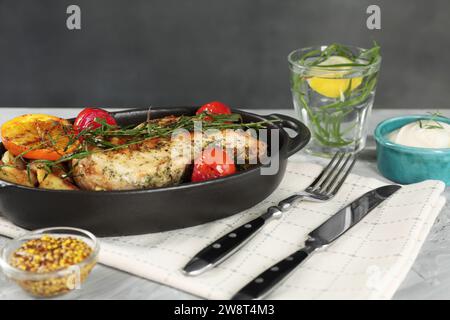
(115, 213)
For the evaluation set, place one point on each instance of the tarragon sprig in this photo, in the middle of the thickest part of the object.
(97, 140)
(434, 118)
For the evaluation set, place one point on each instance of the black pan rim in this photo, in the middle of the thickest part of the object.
(185, 185)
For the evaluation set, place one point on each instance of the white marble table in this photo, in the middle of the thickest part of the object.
(429, 278)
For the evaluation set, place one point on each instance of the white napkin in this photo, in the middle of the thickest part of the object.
(368, 262)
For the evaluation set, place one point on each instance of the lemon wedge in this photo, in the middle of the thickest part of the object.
(331, 84)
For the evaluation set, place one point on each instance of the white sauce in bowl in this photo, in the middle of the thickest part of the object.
(423, 134)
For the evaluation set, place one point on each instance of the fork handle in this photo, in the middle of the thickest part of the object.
(285, 204)
(222, 248)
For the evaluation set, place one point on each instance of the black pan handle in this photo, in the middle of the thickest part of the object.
(302, 133)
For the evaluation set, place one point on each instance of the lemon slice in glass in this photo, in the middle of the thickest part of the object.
(332, 84)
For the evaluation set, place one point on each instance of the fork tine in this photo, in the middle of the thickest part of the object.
(333, 190)
(315, 183)
(338, 171)
(332, 173)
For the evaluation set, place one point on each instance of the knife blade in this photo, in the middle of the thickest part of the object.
(322, 236)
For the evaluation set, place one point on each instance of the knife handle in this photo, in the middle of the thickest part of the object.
(222, 248)
(267, 281)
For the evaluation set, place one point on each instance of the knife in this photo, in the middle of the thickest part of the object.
(322, 236)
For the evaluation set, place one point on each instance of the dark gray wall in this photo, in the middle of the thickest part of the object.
(175, 52)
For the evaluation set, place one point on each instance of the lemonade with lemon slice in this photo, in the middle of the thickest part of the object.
(333, 89)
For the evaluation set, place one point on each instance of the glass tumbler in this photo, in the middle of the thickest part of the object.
(334, 98)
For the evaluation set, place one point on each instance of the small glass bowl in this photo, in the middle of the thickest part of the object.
(54, 283)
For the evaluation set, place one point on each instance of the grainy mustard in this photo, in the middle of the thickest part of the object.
(49, 254)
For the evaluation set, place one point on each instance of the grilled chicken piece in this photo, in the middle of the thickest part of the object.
(145, 165)
(242, 145)
(157, 162)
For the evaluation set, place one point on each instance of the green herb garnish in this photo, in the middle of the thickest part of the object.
(100, 138)
(434, 118)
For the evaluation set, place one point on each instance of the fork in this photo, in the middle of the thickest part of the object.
(322, 189)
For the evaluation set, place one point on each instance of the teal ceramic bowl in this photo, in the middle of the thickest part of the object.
(407, 165)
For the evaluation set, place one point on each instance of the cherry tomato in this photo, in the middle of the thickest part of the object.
(214, 107)
(86, 119)
(213, 163)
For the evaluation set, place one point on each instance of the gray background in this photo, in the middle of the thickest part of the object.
(178, 52)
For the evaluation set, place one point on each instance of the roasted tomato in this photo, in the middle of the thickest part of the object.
(214, 107)
(213, 163)
(86, 119)
(38, 136)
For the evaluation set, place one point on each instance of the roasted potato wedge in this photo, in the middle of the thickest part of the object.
(48, 180)
(58, 171)
(9, 159)
(14, 175)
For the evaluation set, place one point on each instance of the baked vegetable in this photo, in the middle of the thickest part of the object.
(14, 175)
(214, 107)
(38, 136)
(52, 181)
(92, 118)
(214, 163)
(16, 162)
